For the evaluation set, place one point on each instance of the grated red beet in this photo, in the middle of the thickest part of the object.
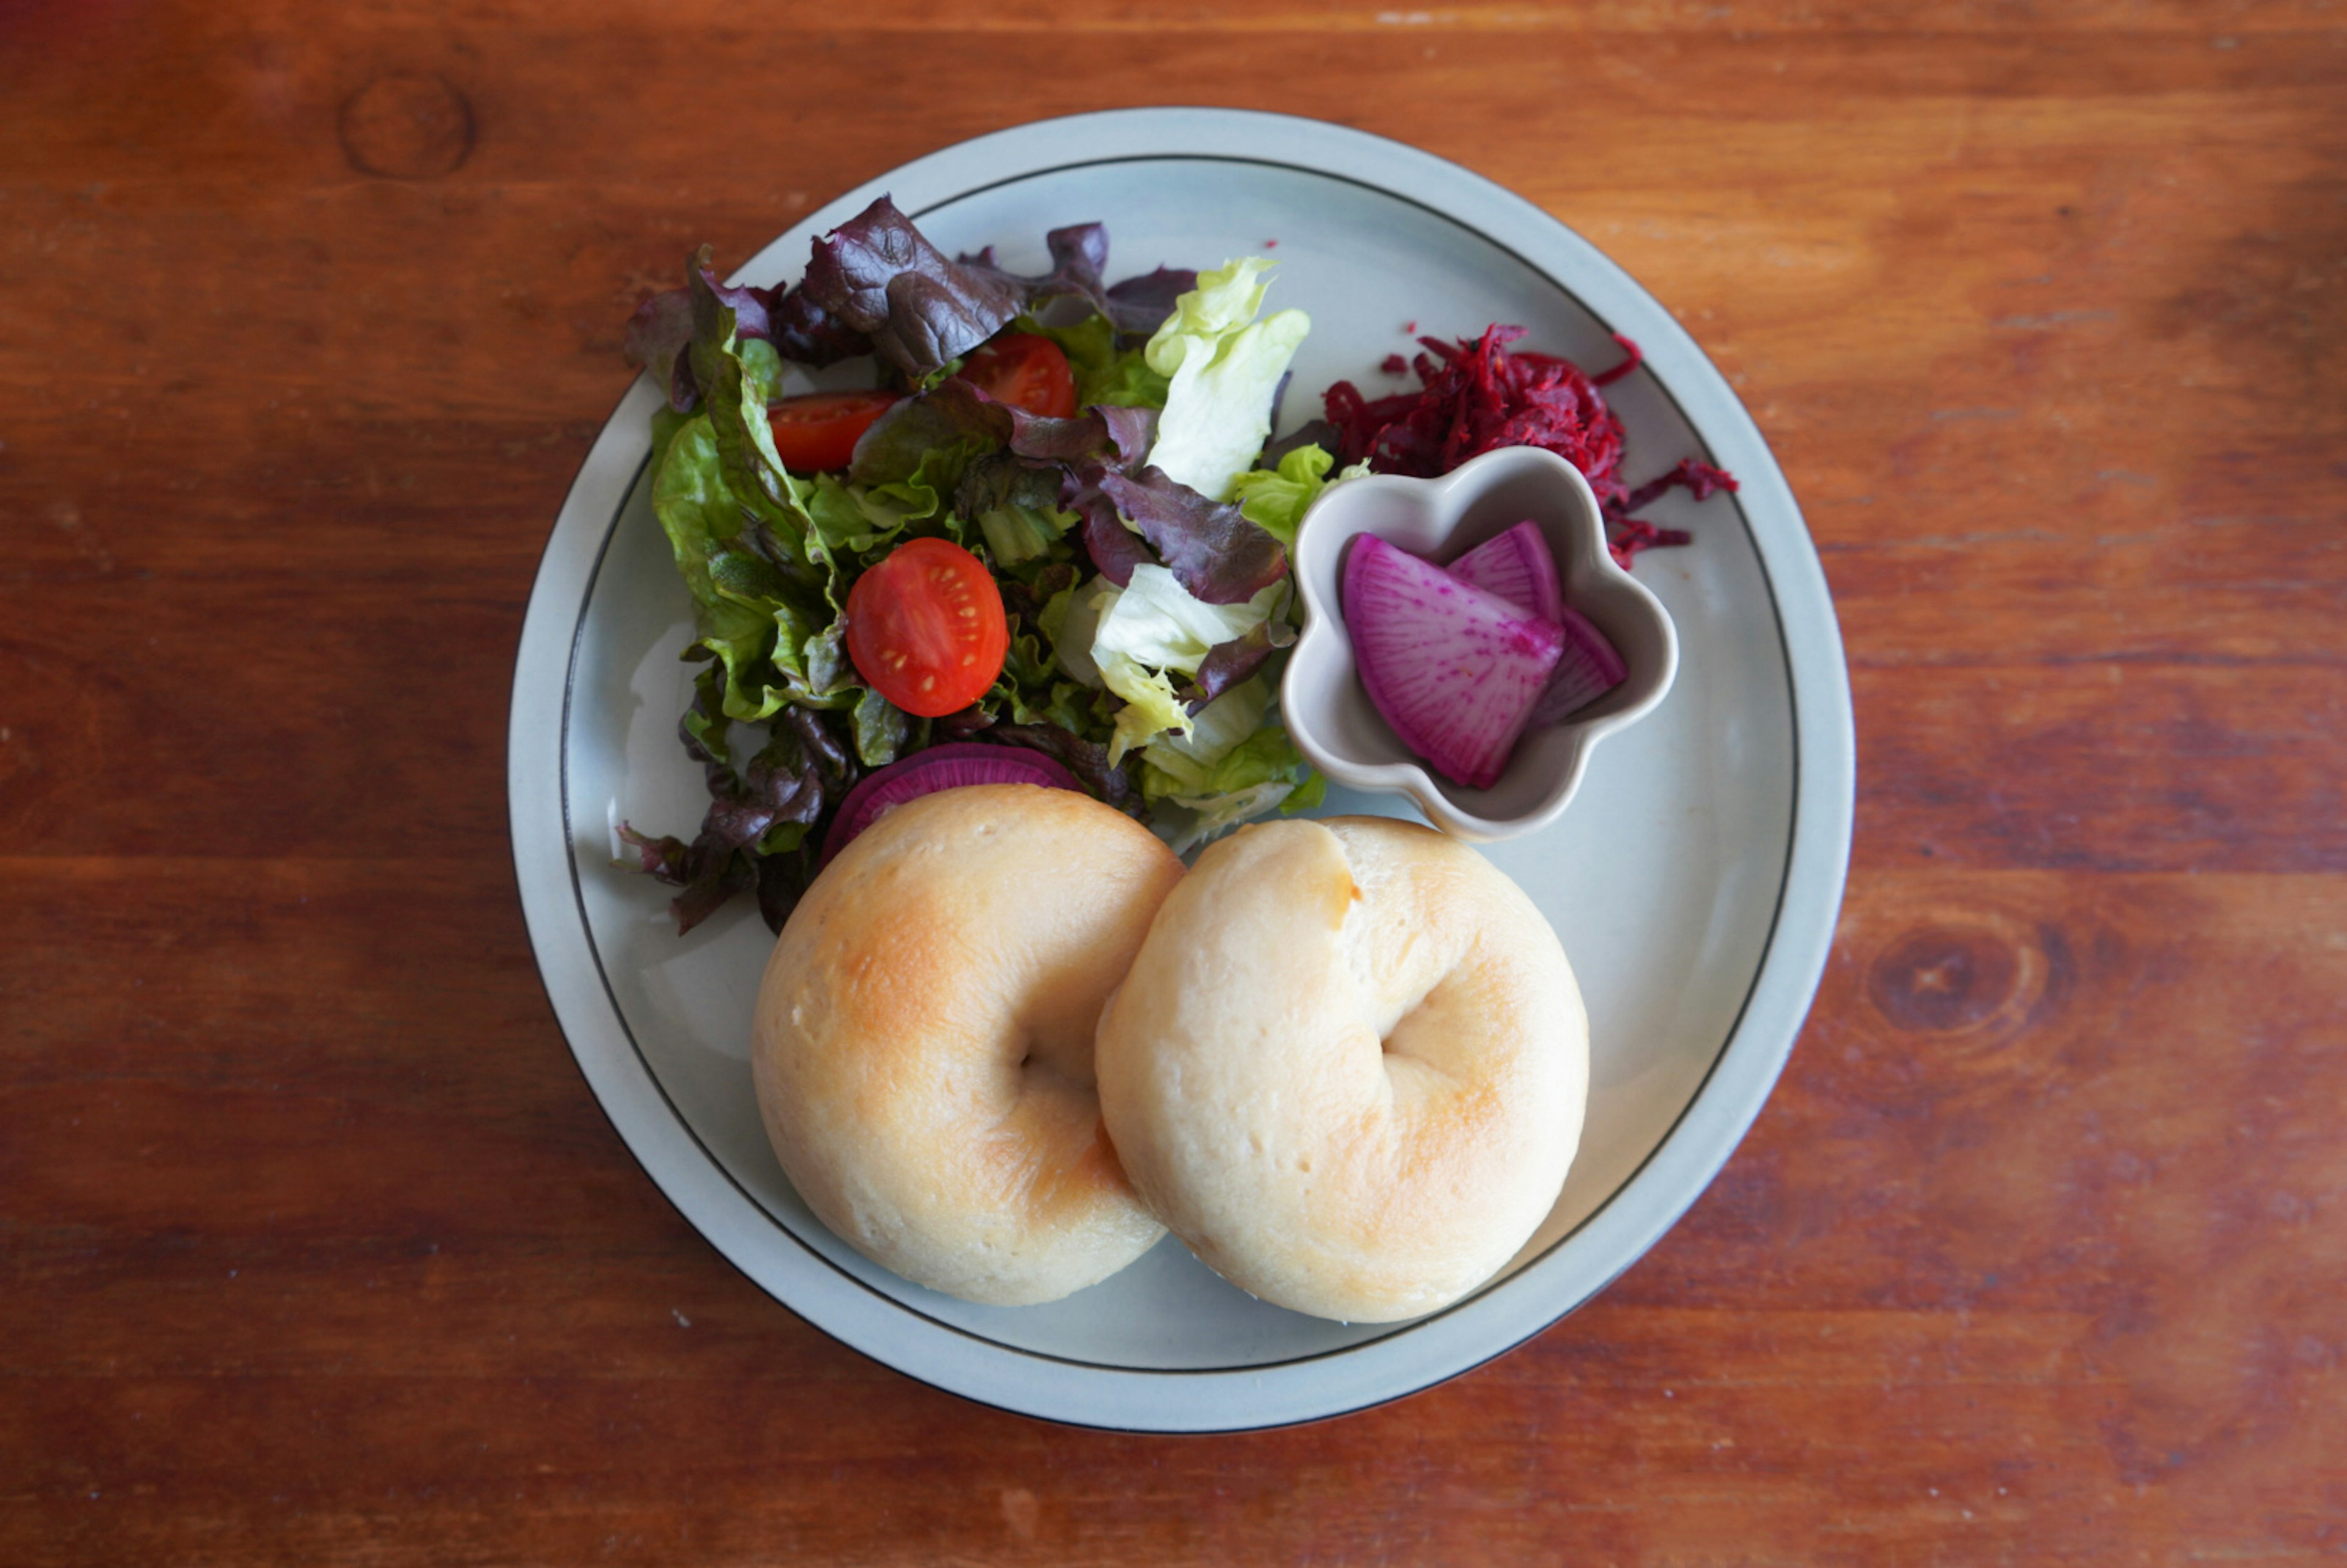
(1476, 396)
(1697, 476)
(1634, 357)
(1393, 365)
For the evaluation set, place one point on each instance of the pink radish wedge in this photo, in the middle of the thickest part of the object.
(1453, 669)
(1589, 668)
(1516, 566)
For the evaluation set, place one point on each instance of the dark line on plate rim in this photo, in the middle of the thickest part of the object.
(1760, 966)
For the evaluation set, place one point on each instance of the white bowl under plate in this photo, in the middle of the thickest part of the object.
(1695, 883)
(1329, 711)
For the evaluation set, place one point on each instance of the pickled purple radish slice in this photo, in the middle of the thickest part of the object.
(928, 771)
(1588, 668)
(1516, 566)
(1453, 669)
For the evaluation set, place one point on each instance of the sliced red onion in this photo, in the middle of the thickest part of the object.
(1454, 670)
(1517, 566)
(928, 771)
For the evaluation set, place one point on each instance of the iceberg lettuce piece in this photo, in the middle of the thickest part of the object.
(1184, 765)
(1213, 815)
(1221, 368)
(1263, 771)
(1151, 706)
(1151, 629)
(1158, 622)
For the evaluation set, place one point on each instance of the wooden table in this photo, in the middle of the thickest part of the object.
(314, 1246)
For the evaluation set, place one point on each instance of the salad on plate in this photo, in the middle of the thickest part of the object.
(1048, 543)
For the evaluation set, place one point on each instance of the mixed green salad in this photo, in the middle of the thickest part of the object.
(1047, 527)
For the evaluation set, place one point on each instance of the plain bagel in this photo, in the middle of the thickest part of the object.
(923, 1049)
(1349, 1066)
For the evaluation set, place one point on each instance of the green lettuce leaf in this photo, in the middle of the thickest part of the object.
(1072, 621)
(1210, 816)
(1016, 535)
(1030, 691)
(1275, 500)
(1256, 774)
(1104, 373)
(736, 597)
(1151, 706)
(1267, 756)
(844, 525)
(1016, 507)
(735, 395)
(884, 731)
(820, 675)
(666, 424)
(762, 369)
(1223, 367)
(1184, 765)
(695, 510)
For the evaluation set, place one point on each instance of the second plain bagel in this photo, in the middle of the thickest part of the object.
(923, 1044)
(1347, 1067)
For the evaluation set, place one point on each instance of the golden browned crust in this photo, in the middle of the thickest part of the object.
(923, 1046)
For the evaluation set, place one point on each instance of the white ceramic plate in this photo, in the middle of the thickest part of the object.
(1695, 880)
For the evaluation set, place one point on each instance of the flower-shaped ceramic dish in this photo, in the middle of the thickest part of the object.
(1327, 710)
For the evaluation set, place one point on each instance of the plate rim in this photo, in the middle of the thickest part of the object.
(1674, 1174)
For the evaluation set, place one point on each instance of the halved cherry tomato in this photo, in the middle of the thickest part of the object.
(818, 429)
(926, 628)
(1026, 371)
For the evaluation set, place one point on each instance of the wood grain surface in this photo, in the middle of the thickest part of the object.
(313, 1245)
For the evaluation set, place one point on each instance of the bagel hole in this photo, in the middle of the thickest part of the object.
(1045, 1061)
(1406, 1030)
